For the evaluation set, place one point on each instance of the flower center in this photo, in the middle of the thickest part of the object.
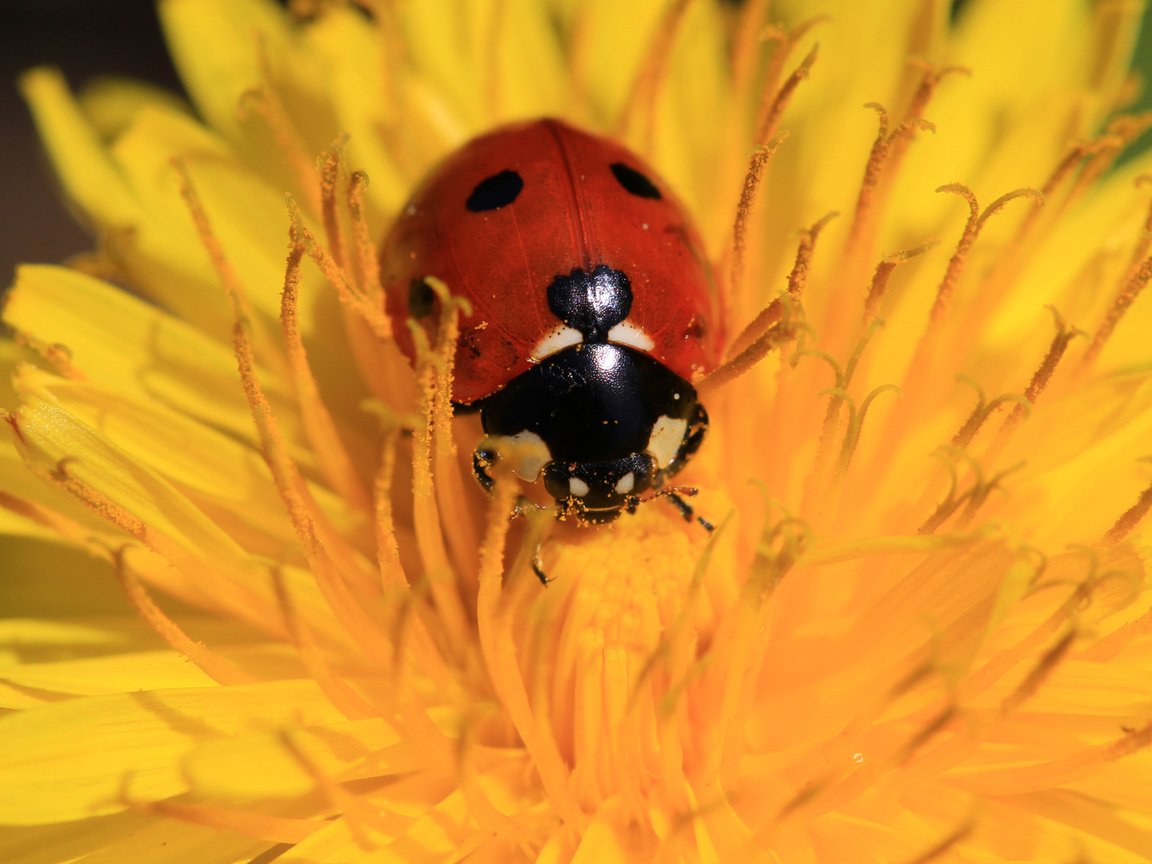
(615, 674)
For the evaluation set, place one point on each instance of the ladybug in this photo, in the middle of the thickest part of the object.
(592, 309)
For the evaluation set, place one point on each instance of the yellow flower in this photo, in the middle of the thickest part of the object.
(257, 609)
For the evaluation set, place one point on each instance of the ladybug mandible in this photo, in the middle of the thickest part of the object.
(593, 307)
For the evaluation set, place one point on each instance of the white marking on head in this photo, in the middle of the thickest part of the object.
(625, 484)
(667, 435)
(578, 487)
(627, 333)
(525, 451)
(555, 340)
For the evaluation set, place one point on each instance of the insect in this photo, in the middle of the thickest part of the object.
(593, 306)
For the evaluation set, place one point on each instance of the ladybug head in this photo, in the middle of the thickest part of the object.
(601, 423)
(598, 491)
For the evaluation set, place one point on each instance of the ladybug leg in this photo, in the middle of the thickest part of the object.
(685, 508)
(484, 458)
(538, 567)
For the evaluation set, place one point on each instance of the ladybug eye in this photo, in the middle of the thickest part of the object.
(420, 298)
(634, 182)
(495, 192)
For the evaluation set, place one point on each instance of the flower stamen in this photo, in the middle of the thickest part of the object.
(264, 101)
(1076, 156)
(839, 396)
(1043, 374)
(271, 829)
(1054, 773)
(855, 425)
(367, 262)
(434, 376)
(305, 515)
(748, 195)
(880, 170)
(772, 110)
(771, 328)
(1144, 239)
(499, 652)
(747, 35)
(319, 427)
(220, 669)
(971, 498)
(936, 724)
(741, 638)
(1128, 293)
(38, 513)
(1119, 133)
(331, 167)
(976, 221)
(982, 412)
(58, 356)
(1044, 667)
(225, 272)
(368, 308)
(879, 284)
(798, 277)
(653, 72)
(358, 814)
(345, 699)
(392, 575)
(103, 506)
(940, 849)
(1130, 518)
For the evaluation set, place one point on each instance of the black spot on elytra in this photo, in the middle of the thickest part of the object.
(495, 192)
(421, 298)
(470, 342)
(592, 303)
(634, 182)
(695, 329)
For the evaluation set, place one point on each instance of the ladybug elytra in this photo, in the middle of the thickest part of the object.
(593, 307)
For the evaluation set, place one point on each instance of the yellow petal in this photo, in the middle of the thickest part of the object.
(247, 215)
(85, 757)
(219, 475)
(157, 356)
(237, 31)
(359, 81)
(111, 104)
(48, 437)
(289, 764)
(184, 538)
(122, 672)
(525, 62)
(43, 844)
(602, 30)
(43, 577)
(88, 176)
(164, 841)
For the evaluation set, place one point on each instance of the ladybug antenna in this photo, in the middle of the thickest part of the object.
(525, 505)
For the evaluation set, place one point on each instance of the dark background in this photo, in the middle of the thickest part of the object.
(90, 38)
(87, 39)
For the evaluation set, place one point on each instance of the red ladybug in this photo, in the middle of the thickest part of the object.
(593, 307)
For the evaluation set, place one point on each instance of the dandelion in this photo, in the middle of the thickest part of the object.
(259, 611)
